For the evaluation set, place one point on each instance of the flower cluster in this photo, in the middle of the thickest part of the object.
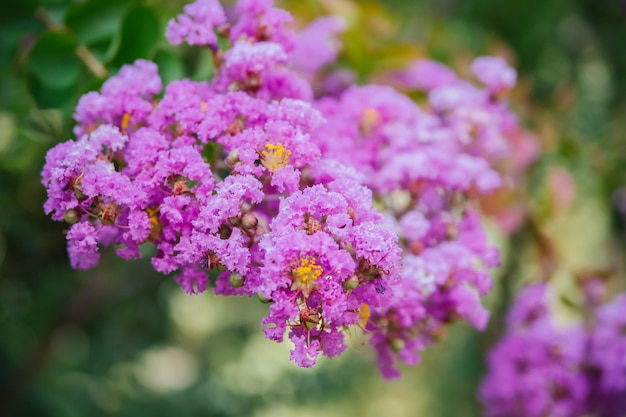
(425, 166)
(355, 210)
(540, 369)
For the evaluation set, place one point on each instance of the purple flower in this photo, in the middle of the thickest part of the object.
(125, 100)
(423, 74)
(82, 245)
(304, 354)
(608, 345)
(530, 306)
(346, 213)
(536, 373)
(192, 280)
(227, 201)
(316, 45)
(197, 25)
(495, 73)
(259, 69)
(308, 267)
(259, 22)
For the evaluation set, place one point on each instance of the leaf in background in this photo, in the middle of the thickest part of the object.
(51, 97)
(170, 66)
(14, 93)
(96, 21)
(16, 23)
(204, 68)
(53, 60)
(139, 34)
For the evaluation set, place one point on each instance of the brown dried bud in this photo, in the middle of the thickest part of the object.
(224, 232)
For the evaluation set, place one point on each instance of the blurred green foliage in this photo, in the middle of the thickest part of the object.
(123, 340)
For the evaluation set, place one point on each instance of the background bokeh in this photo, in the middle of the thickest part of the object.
(123, 340)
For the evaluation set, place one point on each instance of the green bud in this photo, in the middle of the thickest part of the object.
(79, 193)
(249, 221)
(397, 345)
(350, 283)
(263, 298)
(232, 158)
(236, 280)
(71, 216)
(310, 324)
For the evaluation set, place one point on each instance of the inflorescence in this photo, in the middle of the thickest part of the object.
(540, 368)
(343, 207)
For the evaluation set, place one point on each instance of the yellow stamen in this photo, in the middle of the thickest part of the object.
(203, 106)
(275, 156)
(304, 273)
(364, 315)
(369, 120)
(155, 223)
(306, 270)
(351, 331)
(125, 122)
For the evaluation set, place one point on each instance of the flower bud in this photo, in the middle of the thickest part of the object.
(79, 194)
(232, 158)
(350, 283)
(71, 216)
(249, 221)
(236, 280)
(397, 344)
(311, 323)
(223, 30)
(263, 298)
(225, 232)
(253, 83)
(416, 247)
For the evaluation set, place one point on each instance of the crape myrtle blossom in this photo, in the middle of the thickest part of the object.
(538, 368)
(125, 100)
(479, 117)
(421, 174)
(316, 46)
(607, 358)
(198, 24)
(343, 212)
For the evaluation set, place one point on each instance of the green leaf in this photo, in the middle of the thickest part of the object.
(96, 21)
(17, 11)
(14, 92)
(170, 66)
(204, 68)
(53, 60)
(48, 97)
(139, 34)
